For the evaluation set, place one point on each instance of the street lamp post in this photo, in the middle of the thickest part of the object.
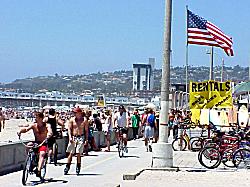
(162, 151)
(222, 70)
(211, 65)
(211, 75)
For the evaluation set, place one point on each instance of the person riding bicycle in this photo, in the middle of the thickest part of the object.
(120, 120)
(42, 132)
(78, 138)
(53, 121)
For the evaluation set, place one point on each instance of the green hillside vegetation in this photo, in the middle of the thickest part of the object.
(119, 82)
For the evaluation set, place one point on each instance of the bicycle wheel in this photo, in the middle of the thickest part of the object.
(179, 144)
(122, 148)
(196, 144)
(227, 157)
(26, 169)
(241, 156)
(55, 153)
(209, 157)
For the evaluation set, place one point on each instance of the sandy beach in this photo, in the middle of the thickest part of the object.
(9, 133)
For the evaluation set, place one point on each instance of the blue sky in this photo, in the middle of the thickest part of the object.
(71, 37)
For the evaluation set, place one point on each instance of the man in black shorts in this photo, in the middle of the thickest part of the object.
(53, 121)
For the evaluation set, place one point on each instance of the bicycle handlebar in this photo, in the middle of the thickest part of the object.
(35, 145)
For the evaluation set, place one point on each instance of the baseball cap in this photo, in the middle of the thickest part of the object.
(76, 110)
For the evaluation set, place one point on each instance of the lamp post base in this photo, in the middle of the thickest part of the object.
(162, 155)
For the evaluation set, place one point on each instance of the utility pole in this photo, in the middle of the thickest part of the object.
(222, 70)
(162, 151)
(211, 76)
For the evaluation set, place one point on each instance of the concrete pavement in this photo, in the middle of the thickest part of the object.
(98, 169)
(107, 169)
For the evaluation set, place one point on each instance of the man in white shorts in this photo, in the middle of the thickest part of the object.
(78, 138)
(149, 122)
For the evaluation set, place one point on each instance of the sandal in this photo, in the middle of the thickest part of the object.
(106, 150)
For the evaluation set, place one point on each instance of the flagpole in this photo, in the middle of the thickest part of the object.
(187, 106)
(211, 76)
(222, 70)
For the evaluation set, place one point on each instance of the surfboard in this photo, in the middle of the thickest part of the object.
(232, 115)
(204, 117)
(243, 116)
(214, 118)
(224, 120)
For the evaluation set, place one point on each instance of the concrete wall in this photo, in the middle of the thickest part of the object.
(12, 155)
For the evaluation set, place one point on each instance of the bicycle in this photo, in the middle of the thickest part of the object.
(240, 156)
(121, 146)
(31, 162)
(219, 151)
(180, 143)
(197, 143)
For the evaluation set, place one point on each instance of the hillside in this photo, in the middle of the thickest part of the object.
(118, 82)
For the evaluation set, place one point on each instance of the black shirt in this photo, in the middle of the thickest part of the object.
(52, 122)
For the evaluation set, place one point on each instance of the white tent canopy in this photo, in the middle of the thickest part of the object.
(151, 106)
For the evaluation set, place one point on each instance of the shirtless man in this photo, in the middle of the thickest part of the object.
(42, 132)
(78, 138)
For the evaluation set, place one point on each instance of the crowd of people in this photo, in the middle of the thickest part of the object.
(81, 124)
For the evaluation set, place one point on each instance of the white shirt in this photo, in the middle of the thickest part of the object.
(121, 120)
(107, 126)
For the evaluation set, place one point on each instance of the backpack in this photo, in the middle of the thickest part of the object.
(151, 120)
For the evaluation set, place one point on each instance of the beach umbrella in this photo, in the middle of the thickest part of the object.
(242, 88)
(151, 106)
(46, 107)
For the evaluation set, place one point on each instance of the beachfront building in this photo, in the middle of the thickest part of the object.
(54, 98)
(143, 77)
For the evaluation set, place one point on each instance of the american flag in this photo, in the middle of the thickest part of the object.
(203, 32)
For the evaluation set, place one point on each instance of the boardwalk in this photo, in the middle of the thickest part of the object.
(107, 169)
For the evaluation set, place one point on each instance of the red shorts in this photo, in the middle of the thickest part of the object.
(42, 148)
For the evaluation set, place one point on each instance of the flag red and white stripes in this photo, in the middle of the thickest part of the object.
(202, 32)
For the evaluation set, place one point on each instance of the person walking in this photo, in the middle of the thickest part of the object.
(149, 121)
(97, 123)
(78, 137)
(53, 120)
(2, 120)
(107, 128)
(135, 123)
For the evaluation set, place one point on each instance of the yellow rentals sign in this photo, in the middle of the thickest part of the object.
(210, 94)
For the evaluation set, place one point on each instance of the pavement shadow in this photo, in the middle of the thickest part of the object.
(131, 156)
(85, 174)
(131, 147)
(62, 163)
(51, 180)
(110, 151)
(88, 155)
